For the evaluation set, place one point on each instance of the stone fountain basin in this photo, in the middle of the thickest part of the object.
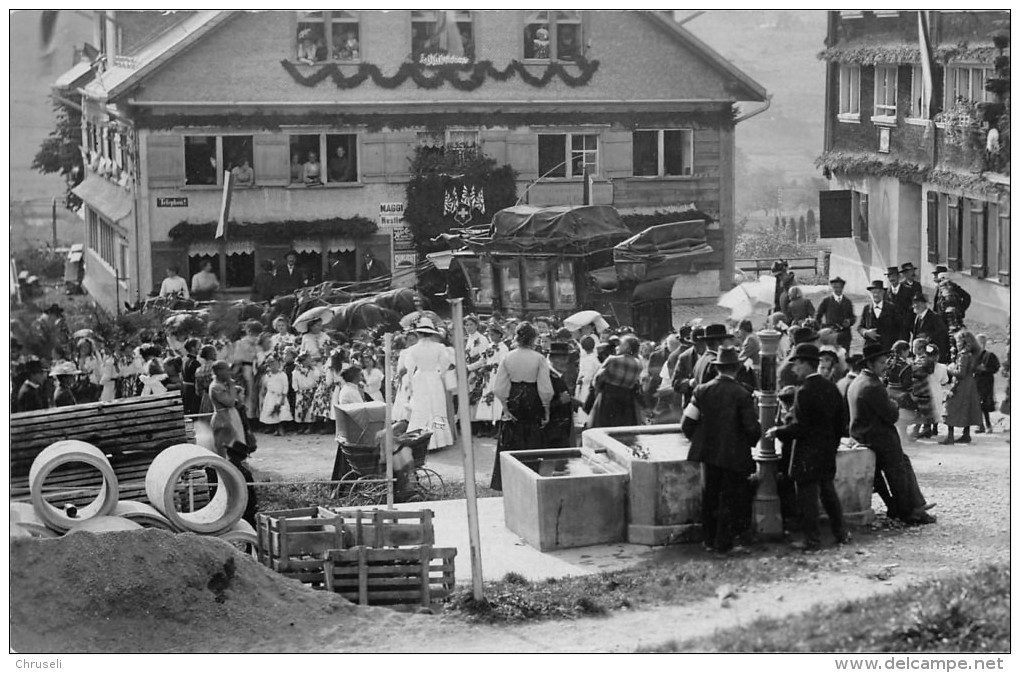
(562, 498)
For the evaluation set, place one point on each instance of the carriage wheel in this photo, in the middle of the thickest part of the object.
(430, 484)
(365, 491)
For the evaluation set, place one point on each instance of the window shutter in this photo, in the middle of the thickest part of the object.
(954, 253)
(373, 158)
(522, 154)
(272, 159)
(164, 160)
(494, 145)
(835, 214)
(933, 227)
(399, 150)
(617, 154)
(979, 241)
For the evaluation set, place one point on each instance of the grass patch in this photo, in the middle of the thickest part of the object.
(515, 599)
(965, 613)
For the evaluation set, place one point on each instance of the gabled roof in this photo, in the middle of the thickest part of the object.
(78, 75)
(752, 90)
(119, 78)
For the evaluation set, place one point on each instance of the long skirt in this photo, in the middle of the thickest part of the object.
(227, 429)
(430, 408)
(614, 406)
(524, 431)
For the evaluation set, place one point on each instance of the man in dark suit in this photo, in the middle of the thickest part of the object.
(881, 322)
(372, 268)
(704, 369)
(930, 325)
(836, 312)
(812, 439)
(873, 417)
(721, 423)
(683, 371)
(290, 277)
(30, 395)
(902, 296)
(908, 278)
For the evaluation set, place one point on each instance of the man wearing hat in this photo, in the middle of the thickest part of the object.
(50, 329)
(836, 312)
(30, 395)
(951, 300)
(722, 425)
(290, 276)
(812, 439)
(930, 325)
(908, 278)
(881, 322)
(559, 431)
(784, 281)
(683, 371)
(873, 417)
(715, 335)
(65, 373)
(898, 294)
(785, 374)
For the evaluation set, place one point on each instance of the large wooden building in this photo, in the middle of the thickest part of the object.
(319, 113)
(917, 147)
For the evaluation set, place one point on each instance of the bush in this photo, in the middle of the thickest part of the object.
(759, 244)
(46, 263)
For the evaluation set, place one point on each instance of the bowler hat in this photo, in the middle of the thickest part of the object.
(892, 271)
(805, 351)
(697, 333)
(713, 331)
(837, 279)
(778, 265)
(939, 269)
(907, 266)
(727, 356)
(920, 297)
(559, 348)
(874, 350)
(876, 285)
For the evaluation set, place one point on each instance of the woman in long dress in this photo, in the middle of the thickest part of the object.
(325, 394)
(402, 394)
(587, 367)
(490, 409)
(426, 365)
(305, 380)
(226, 398)
(476, 350)
(617, 387)
(373, 377)
(963, 408)
(524, 387)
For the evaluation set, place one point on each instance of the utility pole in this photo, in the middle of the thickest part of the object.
(53, 221)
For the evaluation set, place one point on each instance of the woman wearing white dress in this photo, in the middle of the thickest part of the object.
(426, 365)
(490, 409)
(588, 366)
(476, 351)
(373, 378)
(402, 397)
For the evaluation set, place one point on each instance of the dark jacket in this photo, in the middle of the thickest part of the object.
(263, 288)
(934, 328)
(837, 315)
(873, 414)
(63, 397)
(727, 427)
(287, 282)
(684, 371)
(903, 297)
(30, 398)
(819, 417)
(889, 324)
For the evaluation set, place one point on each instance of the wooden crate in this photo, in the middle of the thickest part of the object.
(386, 528)
(410, 575)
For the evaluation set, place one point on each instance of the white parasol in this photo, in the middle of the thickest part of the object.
(745, 298)
(323, 313)
(582, 318)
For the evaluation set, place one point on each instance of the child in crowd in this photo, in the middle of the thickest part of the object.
(940, 383)
(275, 407)
(987, 364)
(921, 392)
(305, 381)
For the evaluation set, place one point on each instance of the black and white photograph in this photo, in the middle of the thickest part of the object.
(477, 332)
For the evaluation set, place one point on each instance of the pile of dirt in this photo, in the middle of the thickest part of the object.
(153, 591)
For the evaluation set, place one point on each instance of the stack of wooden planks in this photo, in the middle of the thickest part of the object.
(130, 432)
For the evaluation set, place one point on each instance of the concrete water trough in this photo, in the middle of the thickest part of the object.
(561, 498)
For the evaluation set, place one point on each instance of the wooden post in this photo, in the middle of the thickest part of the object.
(464, 409)
(53, 219)
(388, 443)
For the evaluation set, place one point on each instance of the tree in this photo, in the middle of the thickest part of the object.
(811, 231)
(801, 230)
(778, 226)
(60, 152)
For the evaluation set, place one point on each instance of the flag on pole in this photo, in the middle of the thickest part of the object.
(924, 37)
(228, 187)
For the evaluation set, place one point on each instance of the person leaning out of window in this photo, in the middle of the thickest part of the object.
(204, 284)
(174, 284)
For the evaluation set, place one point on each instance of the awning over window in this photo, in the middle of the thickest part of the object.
(109, 200)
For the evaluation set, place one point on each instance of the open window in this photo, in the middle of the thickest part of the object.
(328, 36)
(885, 91)
(200, 165)
(567, 155)
(436, 32)
(565, 295)
(510, 282)
(553, 36)
(667, 152)
(536, 280)
(240, 269)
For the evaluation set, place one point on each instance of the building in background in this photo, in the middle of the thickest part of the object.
(318, 114)
(917, 149)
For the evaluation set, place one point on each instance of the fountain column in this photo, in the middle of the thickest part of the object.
(768, 519)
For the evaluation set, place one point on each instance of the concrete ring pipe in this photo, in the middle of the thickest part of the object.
(220, 513)
(60, 454)
(104, 524)
(243, 537)
(25, 518)
(143, 514)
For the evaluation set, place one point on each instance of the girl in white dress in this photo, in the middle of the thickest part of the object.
(373, 378)
(490, 409)
(426, 365)
(476, 355)
(402, 397)
(305, 380)
(588, 366)
(275, 405)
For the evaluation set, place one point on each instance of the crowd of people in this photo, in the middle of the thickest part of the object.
(537, 384)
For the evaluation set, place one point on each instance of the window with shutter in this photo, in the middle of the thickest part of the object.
(1002, 222)
(164, 160)
(933, 227)
(522, 154)
(272, 159)
(494, 142)
(399, 149)
(373, 158)
(954, 227)
(835, 213)
(978, 238)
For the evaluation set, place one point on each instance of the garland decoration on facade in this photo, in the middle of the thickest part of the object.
(868, 164)
(352, 227)
(427, 77)
(437, 121)
(903, 53)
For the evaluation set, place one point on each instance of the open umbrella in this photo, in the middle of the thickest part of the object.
(744, 299)
(323, 313)
(582, 318)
